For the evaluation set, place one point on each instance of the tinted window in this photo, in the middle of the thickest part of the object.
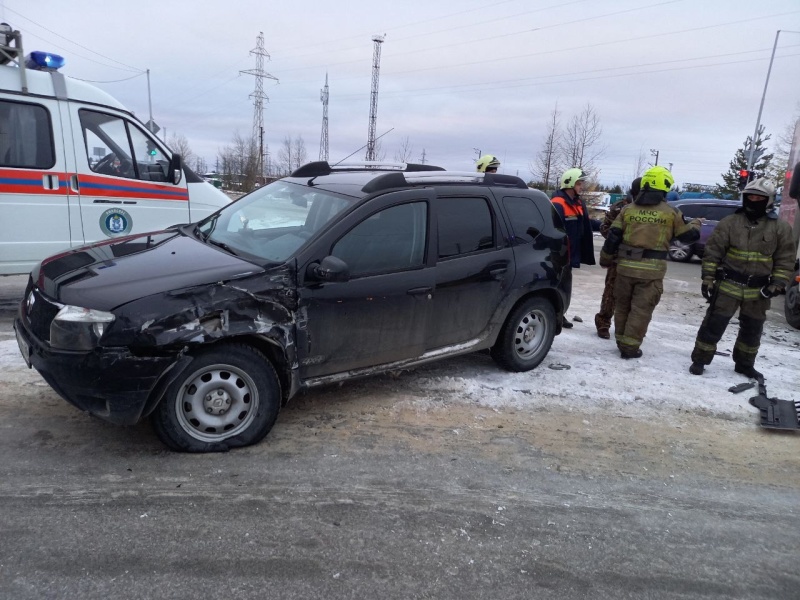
(526, 219)
(465, 225)
(716, 213)
(26, 136)
(693, 211)
(390, 240)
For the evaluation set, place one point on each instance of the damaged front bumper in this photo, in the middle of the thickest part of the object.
(110, 383)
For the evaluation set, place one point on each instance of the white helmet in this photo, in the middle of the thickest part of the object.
(761, 187)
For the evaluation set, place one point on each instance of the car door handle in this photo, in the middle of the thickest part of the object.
(420, 291)
(498, 271)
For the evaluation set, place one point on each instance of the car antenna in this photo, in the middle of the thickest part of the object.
(362, 147)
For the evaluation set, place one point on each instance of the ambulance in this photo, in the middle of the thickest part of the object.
(77, 167)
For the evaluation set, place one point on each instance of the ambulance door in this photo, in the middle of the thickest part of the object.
(34, 205)
(123, 177)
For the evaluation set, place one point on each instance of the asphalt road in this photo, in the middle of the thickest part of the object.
(353, 497)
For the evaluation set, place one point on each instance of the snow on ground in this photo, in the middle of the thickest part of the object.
(598, 379)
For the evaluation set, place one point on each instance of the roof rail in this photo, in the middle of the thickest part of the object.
(9, 53)
(323, 167)
(504, 180)
(385, 182)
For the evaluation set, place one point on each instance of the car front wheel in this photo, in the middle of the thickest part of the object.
(792, 305)
(680, 252)
(526, 336)
(228, 397)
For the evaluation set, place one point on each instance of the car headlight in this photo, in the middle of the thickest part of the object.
(77, 328)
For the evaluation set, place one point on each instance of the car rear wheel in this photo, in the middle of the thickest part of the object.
(228, 397)
(792, 305)
(680, 252)
(526, 336)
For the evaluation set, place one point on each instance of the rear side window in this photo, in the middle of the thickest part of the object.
(26, 136)
(526, 220)
(694, 211)
(717, 213)
(465, 225)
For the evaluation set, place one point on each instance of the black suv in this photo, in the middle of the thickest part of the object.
(323, 276)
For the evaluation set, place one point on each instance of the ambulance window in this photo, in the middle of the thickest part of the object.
(108, 148)
(151, 162)
(26, 136)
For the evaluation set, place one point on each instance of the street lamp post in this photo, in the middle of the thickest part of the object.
(654, 153)
(763, 96)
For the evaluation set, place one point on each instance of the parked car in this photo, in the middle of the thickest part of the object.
(317, 278)
(710, 209)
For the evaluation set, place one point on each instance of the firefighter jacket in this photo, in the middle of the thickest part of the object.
(744, 256)
(578, 227)
(640, 237)
(612, 215)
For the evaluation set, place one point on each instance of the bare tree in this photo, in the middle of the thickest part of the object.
(581, 142)
(639, 165)
(404, 152)
(239, 163)
(200, 165)
(291, 155)
(180, 145)
(546, 166)
(380, 153)
(776, 170)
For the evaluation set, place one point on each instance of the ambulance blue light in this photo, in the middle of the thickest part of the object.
(44, 61)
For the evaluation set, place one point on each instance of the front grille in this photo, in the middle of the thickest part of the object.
(40, 313)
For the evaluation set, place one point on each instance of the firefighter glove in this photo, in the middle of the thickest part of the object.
(771, 290)
(705, 289)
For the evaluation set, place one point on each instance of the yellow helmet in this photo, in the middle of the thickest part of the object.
(571, 177)
(658, 178)
(487, 161)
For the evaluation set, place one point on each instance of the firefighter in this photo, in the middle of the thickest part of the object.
(602, 320)
(572, 210)
(748, 260)
(487, 164)
(639, 239)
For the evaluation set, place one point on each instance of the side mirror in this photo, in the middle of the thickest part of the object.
(175, 169)
(330, 269)
(794, 186)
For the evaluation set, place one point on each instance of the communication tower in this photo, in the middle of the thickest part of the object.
(323, 140)
(373, 108)
(259, 97)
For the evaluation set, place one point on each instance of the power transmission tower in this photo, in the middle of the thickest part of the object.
(373, 108)
(258, 100)
(323, 140)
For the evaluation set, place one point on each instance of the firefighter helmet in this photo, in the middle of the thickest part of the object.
(571, 177)
(658, 178)
(487, 161)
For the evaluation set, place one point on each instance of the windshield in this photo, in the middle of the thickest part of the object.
(273, 222)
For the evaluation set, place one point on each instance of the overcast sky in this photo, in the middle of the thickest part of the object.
(683, 77)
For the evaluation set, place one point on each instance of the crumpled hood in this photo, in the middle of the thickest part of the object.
(109, 274)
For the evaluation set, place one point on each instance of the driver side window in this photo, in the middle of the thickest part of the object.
(390, 240)
(119, 148)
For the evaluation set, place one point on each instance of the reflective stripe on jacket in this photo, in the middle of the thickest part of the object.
(763, 248)
(651, 227)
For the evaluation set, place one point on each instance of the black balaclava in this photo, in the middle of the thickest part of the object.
(636, 187)
(648, 197)
(754, 210)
